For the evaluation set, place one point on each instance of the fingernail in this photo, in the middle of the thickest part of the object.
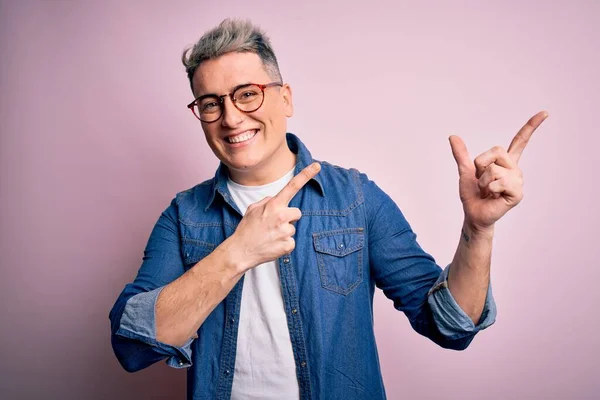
(316, 166)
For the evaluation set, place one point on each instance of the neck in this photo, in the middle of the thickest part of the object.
(270, 170)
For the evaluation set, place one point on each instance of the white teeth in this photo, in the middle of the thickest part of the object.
(242, 138)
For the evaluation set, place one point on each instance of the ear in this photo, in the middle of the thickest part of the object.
(288, 104)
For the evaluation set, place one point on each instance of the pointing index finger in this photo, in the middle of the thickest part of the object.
(293, 187)
(522, 137)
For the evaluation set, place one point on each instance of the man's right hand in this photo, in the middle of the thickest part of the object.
(266, 231)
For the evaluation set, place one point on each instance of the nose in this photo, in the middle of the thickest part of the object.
(231, 115)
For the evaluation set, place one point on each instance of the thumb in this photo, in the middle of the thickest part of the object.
(461, 154)
(259, 203)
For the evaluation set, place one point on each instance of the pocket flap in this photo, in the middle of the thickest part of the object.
(339, 242)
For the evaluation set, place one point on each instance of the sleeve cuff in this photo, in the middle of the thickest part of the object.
(450, 319)
(138, 323)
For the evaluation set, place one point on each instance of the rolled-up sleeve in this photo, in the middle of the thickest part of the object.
(450, 319)
(133, 327)
(138, 322)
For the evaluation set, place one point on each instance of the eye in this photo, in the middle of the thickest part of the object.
(209, 106)
(247, 94)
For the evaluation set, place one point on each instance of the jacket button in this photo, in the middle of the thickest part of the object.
(303, 364)
(286, 260)
(294, 311)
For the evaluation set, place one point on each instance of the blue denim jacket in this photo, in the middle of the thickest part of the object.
(351, 238)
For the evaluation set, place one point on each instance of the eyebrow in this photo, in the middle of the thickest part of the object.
(219, 95)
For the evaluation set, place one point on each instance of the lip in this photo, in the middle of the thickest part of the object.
(242, 144)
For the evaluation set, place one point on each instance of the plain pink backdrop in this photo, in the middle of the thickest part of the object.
(96, 140)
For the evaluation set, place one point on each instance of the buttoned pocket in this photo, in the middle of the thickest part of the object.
(340, 258)
(194, 251)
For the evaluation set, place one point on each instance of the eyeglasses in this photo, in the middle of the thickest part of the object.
(246, 98)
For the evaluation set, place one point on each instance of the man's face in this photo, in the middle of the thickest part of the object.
(265, 127)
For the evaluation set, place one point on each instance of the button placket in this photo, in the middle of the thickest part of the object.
(291, 300)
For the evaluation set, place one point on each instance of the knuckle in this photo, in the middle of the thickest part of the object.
(290, 245)
(480, 166)
(270, 207)
(260, 202)
(495, 171)
(295, 214)
(294, 185)
(280, 217)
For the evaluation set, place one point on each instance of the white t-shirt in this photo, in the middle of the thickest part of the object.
(264, 363)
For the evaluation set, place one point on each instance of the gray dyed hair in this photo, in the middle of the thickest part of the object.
(232, 35)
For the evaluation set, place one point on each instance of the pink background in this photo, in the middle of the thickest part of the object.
(96, 140)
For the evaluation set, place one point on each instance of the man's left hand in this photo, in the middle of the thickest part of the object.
(493, 183)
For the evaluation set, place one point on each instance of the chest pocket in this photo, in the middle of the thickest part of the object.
(340, 258)
(194, 251)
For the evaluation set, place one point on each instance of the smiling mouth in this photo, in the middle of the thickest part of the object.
(243, 137)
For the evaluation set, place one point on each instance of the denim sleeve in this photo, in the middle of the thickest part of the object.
(410, 277)
(133, 335)
(138, 322)
(450, 319)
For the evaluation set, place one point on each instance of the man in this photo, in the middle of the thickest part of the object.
(260, 281)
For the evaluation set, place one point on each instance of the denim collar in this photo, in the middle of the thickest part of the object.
(303, 159)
